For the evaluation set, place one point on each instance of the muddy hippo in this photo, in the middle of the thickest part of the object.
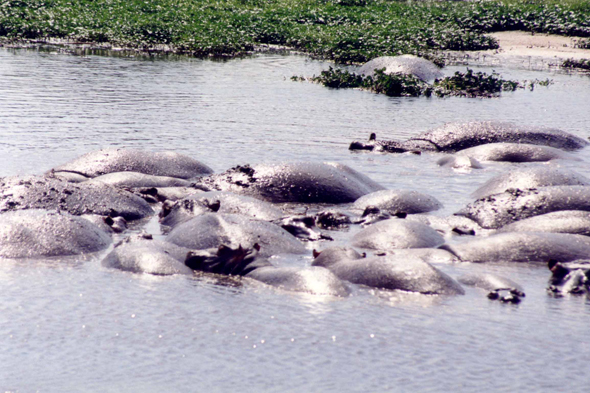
(522, 247)
(398, 201)
(572, 277)
(174, 213)
(393, 233)
(576, 222)
(500, 288)
(143, 254)
(248, 263)
(453, 137)
(39, 192)
(392, 272)
(533, 177)
(303, 182)
(497, 210)
(515, 152)
(40, 233)
(212, 230)
(105, 161)
(406, 64)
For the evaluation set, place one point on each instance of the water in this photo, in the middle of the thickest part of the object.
(76, 326)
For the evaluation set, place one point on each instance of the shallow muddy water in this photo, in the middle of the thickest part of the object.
(76, 326)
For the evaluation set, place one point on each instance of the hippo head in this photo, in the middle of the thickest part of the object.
(571, 277)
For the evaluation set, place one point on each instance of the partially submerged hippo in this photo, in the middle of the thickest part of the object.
(576, 222)
(247, 263)
(174, 213)
(453, 137)
(522, 247)
(533, 177)
(515, 152)
(398, 201)
(165, 163)
(497, 210)
(393, 272)
(142, 254)
(137, 180)
(500, 288)
(40, 233)
(39, 192)
(304, 182)
(393, 233)
(211, 230)
(572, 277)
(406, 64)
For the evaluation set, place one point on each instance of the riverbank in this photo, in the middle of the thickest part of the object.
(345, 31)
(524, 49)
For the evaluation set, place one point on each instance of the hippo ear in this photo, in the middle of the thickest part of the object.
(551, 264)
(316, 253)
(256, 246)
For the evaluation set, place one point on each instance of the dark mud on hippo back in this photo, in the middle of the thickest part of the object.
(105, 161)
(40, 233)
(174, 213)
(497, 210)
(39, 192)
(305, 182)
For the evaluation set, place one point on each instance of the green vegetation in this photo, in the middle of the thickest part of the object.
(468, 84)
(346, 31)
(582, 64)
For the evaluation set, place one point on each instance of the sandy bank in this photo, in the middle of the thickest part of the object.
(524, 49)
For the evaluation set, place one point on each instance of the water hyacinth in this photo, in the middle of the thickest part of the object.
(347, 31)
(467, 84)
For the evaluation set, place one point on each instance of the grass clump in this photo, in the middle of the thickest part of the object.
(347, 31)
(581, 64)
(461, 84)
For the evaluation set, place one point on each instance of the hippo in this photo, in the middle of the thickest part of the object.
(453, 137)
(459, 162)
(40, 192)
(143, 254)
(40, 233)
(397, 201)
(212, 230)
(393, 233)
(500, 288)
(105, 161)
(497, 210)
(533, 177)
(515, 152)
(572, 277)
(248, 263)
(303, 182)
(576, 222)
(137, 180)
(421, 68)
(522, 247)
(449, 225)
(391, 272)
(174, 213)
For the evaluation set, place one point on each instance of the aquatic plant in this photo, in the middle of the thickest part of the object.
(463, 84)
(582, 64)
(347, 31)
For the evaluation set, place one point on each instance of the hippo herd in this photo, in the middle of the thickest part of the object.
(236, 222)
